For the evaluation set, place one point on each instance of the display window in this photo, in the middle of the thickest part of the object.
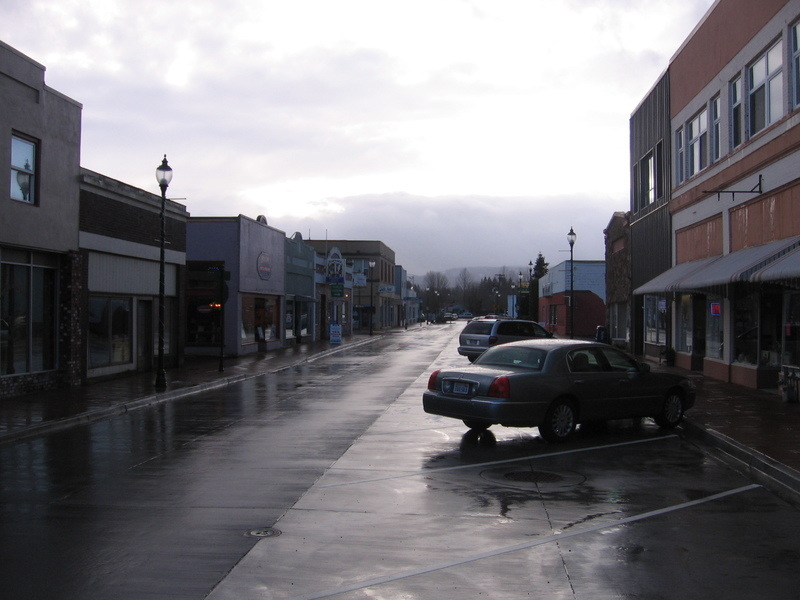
(714, 327)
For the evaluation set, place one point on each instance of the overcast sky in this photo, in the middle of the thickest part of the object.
(458, 132)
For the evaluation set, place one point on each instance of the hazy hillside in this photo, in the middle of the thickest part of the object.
(477, 273)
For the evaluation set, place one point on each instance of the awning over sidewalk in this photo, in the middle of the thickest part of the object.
(785, 267)
(750, 264)
(670, 280)
(739, 266)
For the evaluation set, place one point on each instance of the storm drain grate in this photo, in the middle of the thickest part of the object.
(264, 532)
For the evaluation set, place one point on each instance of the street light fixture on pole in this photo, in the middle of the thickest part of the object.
(571, 237)
(163, 176)
(371, 296)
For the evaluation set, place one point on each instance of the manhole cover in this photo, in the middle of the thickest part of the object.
(264, 532)
(533, 477)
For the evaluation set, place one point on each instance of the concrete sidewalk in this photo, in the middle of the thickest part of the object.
(756, 429)
(32, 415)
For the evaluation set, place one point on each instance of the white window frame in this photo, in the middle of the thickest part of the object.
(680, 170)
(736, 114)
(647, 179)
(765, 80)
(715, 150)
(697, 143)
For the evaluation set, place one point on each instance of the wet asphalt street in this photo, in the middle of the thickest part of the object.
(366, 496)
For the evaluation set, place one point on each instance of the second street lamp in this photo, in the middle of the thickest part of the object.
(163, 176)
(571, 237)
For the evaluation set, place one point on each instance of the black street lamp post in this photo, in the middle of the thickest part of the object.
(371, 296)
(163, 176)
(571, 237)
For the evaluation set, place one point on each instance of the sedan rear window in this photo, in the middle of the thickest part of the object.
(509, 356)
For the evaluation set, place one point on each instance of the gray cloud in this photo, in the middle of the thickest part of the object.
(464, 231)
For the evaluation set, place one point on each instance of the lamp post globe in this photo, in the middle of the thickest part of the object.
(571, 237)
(164, 177)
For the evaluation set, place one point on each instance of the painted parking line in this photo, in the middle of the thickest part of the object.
(516, 548)
(497, 462)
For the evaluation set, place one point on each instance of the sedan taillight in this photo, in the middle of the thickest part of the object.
(500, 388)
(432, 380)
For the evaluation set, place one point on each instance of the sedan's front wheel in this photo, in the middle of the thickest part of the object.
(560, 421)
(671, 411)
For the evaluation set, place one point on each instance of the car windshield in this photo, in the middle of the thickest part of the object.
(509, 356)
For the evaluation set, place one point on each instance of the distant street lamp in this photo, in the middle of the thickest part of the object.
(163, 176)
(371, 296)
(571, 237)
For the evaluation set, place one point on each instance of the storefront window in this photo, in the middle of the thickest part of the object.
(259, 319)
(15, 287)
(683, 342)
(771, 331)
(43, 311)
(745, 328)
(655, 309)
(289, 320)
(204, 303)
(791, 354)
(27, 313)
(110, 327)
(714, 327)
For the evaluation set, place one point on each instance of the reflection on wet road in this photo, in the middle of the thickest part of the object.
(369, 497)
(418, 507)
(157, 503)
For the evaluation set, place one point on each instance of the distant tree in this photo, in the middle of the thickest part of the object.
(437, 291)
(436, 280)
(465, 286)
(540, 269)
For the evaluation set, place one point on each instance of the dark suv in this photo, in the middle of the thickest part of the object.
(481, 334)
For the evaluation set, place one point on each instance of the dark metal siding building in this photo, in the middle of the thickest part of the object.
(650, 221)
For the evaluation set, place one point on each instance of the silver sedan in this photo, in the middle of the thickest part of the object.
(554, 385)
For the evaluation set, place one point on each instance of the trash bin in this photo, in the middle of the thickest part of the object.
(790, 378)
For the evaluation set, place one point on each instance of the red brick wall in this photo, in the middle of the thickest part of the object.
(724, 32)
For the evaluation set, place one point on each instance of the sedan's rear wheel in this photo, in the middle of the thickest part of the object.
(560, 421)
(477, 425)
(671, 411)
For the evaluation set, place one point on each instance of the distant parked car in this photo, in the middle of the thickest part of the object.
(465, 315)
(481, 334)
(554, 385)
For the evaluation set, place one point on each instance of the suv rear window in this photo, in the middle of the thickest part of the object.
(479, 327)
